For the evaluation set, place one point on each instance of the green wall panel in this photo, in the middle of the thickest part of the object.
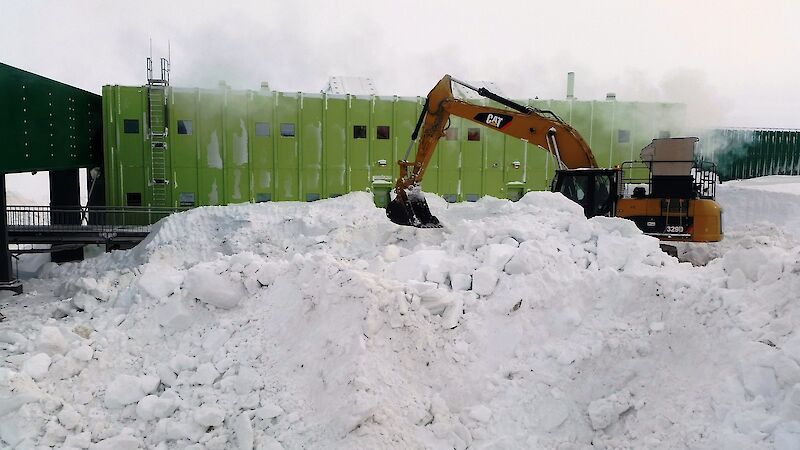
(335, 152)
(358, 147)
(262, 154)
(288, 155)
(236, 150)
(311, 145)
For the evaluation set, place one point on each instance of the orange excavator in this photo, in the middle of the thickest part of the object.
(674, 201)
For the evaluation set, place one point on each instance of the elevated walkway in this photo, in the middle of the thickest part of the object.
(115, 227)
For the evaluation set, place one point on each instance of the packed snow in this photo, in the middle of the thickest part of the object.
(324, 325)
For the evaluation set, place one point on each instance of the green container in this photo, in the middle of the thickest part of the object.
(231, 146)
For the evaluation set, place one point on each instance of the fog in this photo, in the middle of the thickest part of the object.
(732, 62)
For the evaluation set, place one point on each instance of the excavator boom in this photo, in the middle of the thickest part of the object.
(542, 128)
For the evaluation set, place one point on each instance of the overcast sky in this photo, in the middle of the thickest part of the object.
(734, 62)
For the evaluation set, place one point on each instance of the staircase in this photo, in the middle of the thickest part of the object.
(157, 116)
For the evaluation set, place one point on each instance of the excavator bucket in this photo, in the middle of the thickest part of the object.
(412, 211)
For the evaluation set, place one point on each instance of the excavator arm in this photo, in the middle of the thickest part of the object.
(539, 127)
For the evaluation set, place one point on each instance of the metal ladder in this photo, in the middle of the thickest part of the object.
(157, 118)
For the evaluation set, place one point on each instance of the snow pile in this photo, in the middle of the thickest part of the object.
(323, 325)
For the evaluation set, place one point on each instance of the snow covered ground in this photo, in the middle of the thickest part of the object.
(323, 325)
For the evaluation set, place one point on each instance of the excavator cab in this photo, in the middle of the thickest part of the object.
(594, 189)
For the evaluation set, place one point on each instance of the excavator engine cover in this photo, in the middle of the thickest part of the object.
(413, 212)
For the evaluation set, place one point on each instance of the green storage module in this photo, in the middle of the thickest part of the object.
(230, 146)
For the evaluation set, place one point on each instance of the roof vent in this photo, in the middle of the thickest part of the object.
(611, 97)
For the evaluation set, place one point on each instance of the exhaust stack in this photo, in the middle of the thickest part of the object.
(570, 85)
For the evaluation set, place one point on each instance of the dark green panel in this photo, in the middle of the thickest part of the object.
(287, 181)
(493, 144)
(262, 154)
(183, 144)
(311, 146)
(211, 176)
(449, 153)
(382, 149)
(47, 125)
(237, 148)
(358, 148)
(604, 133)
(406, 112)
(472, 155)
(335, 153)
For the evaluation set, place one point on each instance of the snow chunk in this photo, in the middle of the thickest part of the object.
(173, 315)
(209, 416)
(153, 407)
(605, 411)
(68, 417)
(206, 374)
(127, 389)
(51, 341)
(160, 280)
(481, 413)
(204, 283)
(484, 280)
(121, 442)
(36, 366)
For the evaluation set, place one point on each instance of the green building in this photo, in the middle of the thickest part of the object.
(170, 147)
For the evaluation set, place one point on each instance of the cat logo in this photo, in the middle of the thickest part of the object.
(494, 120)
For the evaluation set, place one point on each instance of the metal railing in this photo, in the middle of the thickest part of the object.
(65, 219)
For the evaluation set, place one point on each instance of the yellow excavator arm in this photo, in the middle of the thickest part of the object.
(539, 127)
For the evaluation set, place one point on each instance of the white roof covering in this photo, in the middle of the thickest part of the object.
(351, 85)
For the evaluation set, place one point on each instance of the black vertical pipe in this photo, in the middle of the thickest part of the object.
(65, 202)
(5, 255)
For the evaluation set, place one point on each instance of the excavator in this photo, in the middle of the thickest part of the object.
(667, 194)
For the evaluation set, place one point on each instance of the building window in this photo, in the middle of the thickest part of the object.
(451, 134)
(263, 197)
(186, 199)
(312, 197)
(185, 127)
(663, 134)
(473, 134)
(262, 128)
(133, 198)
(623, 136)
(130, 126)
(287, 129)
(450, 198)
(359, 131)
(383, 131)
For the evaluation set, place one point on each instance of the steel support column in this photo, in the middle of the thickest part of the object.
(65, 193)
(7, 280)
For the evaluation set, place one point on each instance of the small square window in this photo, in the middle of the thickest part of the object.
(450, 198)
(471, 197)
(287, 129)
(130, 126)
(359, 131)
(312, 197)
(663, 134)
(185, 127)
(473, 134)
(623, 136)
(262, 129)
(133, 198)
(451, 134)
(263, 197)
(186, 199)
(383, 131)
